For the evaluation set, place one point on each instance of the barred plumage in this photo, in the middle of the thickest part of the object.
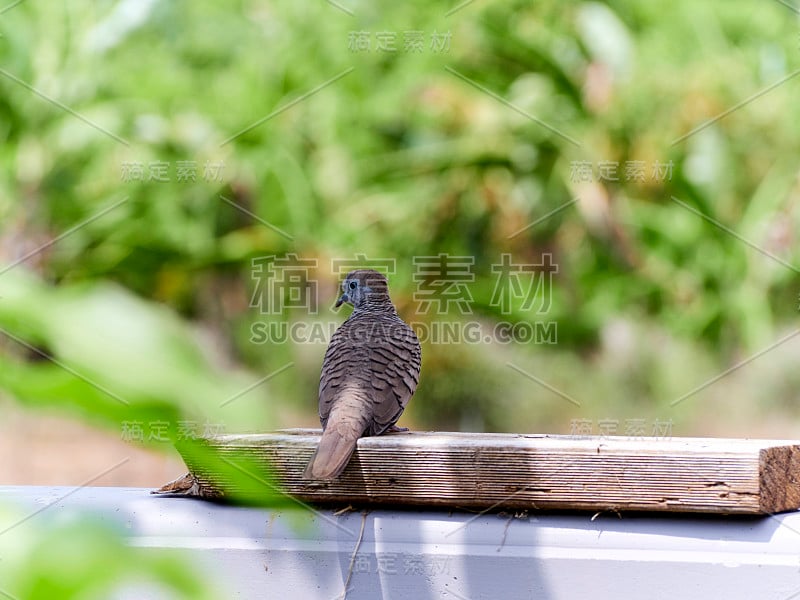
(370, 371)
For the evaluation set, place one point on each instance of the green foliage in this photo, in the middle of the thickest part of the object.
(407, 154)
(116, 356)
(84, 559)
(402, 155)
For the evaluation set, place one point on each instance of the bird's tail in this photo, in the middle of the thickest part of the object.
(336, 446)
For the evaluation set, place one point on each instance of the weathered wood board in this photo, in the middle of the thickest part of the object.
(535, 472)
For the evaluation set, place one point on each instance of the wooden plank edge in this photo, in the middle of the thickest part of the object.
(778, 484)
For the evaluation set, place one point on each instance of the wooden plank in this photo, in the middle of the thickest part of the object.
(520, 472)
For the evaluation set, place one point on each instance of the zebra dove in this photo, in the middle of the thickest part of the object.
(369, 373)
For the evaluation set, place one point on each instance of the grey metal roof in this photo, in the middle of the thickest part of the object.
(258, 553)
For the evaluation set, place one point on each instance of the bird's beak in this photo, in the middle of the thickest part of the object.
(344, 298)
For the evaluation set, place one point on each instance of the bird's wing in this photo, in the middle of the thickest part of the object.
(394, 362)
(335, 372)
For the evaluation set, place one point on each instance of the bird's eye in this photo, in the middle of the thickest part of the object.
(353, 285)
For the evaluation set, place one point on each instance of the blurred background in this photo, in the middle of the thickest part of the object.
(180, 179)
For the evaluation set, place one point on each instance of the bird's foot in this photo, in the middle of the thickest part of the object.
(396, 429)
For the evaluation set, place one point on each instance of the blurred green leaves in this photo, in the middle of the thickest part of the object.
(116, 360)
(97, 351)
(83, 559)
(115, 355)
(401, 158)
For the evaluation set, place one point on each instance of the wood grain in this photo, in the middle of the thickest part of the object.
(531, 472)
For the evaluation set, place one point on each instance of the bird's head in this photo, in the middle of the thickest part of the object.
(364, 287)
